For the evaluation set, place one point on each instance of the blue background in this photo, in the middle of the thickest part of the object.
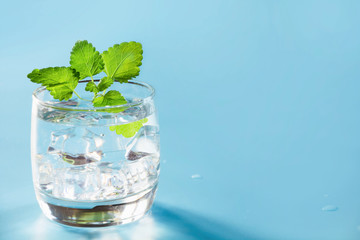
(260, 98)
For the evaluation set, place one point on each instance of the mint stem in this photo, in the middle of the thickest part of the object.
(81, 97)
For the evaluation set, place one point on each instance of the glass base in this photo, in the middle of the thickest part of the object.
(100, 214)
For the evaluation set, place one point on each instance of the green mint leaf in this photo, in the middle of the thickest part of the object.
(60, 81)
(130, 129)
(85, 59)
(122, 61)
(105, 82)
(111, 98)
(91, 87)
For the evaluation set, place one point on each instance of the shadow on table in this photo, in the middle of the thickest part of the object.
(162, 223)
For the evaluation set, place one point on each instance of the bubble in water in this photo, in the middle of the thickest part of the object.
(330, 208)
(196, 176)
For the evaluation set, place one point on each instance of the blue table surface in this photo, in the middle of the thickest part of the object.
(258, 105)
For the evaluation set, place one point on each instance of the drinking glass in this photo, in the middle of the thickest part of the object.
(95, 166)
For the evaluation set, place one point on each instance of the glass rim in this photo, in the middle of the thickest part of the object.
(51, 104)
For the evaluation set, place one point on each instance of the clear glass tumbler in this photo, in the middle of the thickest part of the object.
(95, 166)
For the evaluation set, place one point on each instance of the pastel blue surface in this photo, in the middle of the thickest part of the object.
(259, 98)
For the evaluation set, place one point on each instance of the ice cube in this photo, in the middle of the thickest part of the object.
(70, 102)
(141, 174)
(131, 155)
(58, 139)
(114, 156)
(81, 159)
(113, 181)
(138, 111)
(45, 176)
(136, 175)
(144, 143)
(77, 183)
(76, 145)
(151, 164)
(86, 118)
(114, 142)
(62, 116)
(52, 116)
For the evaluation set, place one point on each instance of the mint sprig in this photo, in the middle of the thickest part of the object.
(111, 98)
(120, 63)
(86, 60)
(60, 81)
(91, 87)
(104, 83)
(130, 129)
